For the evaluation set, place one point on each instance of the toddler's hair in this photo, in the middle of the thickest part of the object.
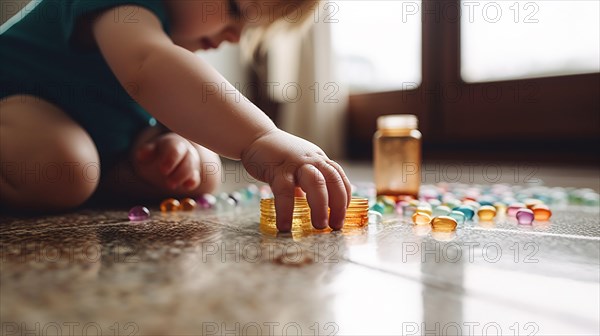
(295, 16)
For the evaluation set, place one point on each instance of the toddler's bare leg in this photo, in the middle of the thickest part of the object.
(47, 161)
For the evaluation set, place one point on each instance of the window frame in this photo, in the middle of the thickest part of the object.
(560, 109)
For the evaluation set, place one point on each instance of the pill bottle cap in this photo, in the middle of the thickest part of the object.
(397, 121)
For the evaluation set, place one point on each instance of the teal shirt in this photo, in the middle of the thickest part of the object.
(38, 56)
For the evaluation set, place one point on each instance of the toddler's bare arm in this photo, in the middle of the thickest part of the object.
(178, 88)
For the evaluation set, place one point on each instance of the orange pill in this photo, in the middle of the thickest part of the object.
(170, 204)
(443, 224)
(421, 218)
(188, 204)
(541, 213)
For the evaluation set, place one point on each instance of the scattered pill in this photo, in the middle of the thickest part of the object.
(525, 216)
(421, 218)
(531, 202)
(188, 204)
(425, 210)
(467, 211)
(169, 205)
(458, 216)
(441, 210)
(500, 208)
(513, 208)
(139, 213)
(379, 207)
(206, 201)
(443, 224)
(541, 212)
(486, 213)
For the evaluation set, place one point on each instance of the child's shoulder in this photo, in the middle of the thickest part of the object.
(82, 12)
(69, 19)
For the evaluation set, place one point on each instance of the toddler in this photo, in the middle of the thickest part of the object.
(84, 82)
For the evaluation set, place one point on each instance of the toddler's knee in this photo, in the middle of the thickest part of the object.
(80, 173)
(64, 176)
(49, 162)
(76, 190)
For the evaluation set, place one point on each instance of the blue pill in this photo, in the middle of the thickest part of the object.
(467, 211)
(458, 216)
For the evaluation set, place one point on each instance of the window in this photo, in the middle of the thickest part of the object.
(364, 34)
(507, 39)
(497, 85)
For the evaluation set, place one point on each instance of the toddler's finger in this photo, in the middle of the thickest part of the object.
(193, 182)
(345, 179)
(170, 153)
(298, 192)
(283, 191)
(313, 182)
(337, 195)
(187, 171)
(145, 153)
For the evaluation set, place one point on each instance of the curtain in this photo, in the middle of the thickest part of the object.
(313, 102)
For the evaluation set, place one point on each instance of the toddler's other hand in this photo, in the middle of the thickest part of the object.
(285, 162)
(168, 161)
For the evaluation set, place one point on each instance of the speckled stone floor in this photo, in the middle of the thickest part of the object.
(94, 272)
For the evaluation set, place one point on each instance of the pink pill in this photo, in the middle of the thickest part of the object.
(525, 217)
(139, 213)
(514, 208)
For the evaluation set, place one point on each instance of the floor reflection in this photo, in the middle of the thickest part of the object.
(203, 272)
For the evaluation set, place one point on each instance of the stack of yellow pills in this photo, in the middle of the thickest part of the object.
(357, 214)
(300, 217)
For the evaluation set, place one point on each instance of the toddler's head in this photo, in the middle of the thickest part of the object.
(205, 24)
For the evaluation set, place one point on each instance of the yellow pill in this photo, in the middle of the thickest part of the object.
(531, 202)
(500, 208)
(425, 210)
(421, 218)
(541, 213)
(443, 224)
(188, 204)
(486, 213)
(170, 204)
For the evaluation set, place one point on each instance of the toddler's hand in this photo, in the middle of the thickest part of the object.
(285, 162)
(168, 161)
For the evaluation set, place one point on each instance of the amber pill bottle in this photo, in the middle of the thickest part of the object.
(397, 156)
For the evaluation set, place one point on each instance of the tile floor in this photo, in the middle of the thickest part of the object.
(94, 272)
